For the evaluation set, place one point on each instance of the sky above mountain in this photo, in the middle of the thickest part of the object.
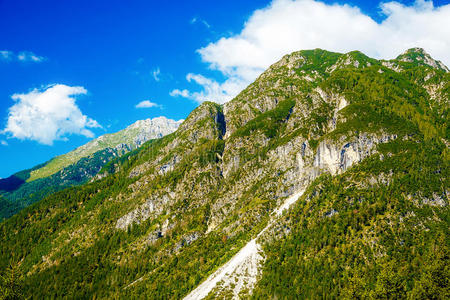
(74, 70)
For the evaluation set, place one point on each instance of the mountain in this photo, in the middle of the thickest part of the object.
(327, 177)
(125, 140)
(77, 166)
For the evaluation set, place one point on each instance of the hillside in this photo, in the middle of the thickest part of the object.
(325, 178)
(77, 166)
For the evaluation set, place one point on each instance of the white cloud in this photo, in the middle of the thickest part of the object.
(24, 56)
(179, 93)
(6, 55)
(155, 73)
(4, 143)
(49, 114)
(290, 25)
(147, 104)
(198, 20)
(212, 90)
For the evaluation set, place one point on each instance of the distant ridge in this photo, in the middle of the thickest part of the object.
(131, 137)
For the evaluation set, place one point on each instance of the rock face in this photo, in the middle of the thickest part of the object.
(336, 158)
(324, 156)
(152, 207)
(152, 129)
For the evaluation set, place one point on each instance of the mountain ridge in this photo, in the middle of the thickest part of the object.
(134, 135)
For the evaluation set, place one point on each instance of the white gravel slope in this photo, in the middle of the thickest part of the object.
(242, 269)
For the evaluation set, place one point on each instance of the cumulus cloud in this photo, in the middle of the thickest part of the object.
(4, 143)
(24, 56)
(290, 25)
(48, 114)
(147, 104)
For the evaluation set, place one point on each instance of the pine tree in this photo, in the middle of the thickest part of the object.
(11, 282)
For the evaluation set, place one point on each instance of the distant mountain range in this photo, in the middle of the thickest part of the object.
(77, 166)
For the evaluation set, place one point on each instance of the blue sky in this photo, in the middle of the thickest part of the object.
(108, 56)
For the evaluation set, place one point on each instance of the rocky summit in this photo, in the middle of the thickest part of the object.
(327, 177)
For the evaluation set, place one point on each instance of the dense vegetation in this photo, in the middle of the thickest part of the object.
(376, 230)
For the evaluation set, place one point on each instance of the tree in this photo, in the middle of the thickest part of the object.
(11, 282)
(389, 285)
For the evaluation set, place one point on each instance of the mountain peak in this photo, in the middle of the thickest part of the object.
(417, 50)
(420, 56)
(157, 121)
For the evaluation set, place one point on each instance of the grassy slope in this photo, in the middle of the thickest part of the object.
(60, 162)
